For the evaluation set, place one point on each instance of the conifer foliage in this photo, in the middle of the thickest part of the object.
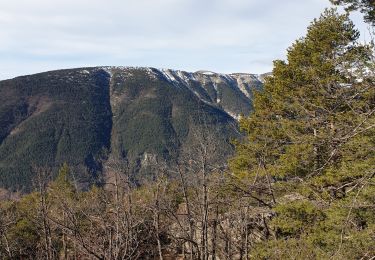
(309, 154)
(365, 6)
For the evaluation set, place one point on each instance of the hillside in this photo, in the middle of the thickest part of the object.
(88, 116)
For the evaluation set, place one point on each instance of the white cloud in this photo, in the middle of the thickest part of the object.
(221, 35)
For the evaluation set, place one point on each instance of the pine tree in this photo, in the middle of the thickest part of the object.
(309, 154)
(365, 6)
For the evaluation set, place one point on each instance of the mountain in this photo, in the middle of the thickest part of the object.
(90, 116)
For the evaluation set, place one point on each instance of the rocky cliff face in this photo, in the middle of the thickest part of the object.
(89, 116)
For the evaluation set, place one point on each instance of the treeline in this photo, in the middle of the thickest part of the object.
(301, 186)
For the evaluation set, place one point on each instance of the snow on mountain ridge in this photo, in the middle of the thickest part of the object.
(216, 89)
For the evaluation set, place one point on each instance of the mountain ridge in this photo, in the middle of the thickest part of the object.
(88, 116)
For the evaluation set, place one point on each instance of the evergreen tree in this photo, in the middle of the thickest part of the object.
(365, 6)
(310, 152)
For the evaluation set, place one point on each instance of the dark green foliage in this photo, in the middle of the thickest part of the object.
(295, 218)
(234, 101)
(85, 116)
(59, 116)
(154, 116)
(365, 6)
(310, 152)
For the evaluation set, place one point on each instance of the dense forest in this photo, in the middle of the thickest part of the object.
(301, 185)
(88, 116)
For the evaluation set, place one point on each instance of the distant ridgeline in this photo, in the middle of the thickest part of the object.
(89, 116)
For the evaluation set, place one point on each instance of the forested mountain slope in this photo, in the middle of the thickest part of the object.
(88, 116)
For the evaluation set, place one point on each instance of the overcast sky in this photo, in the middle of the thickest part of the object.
(217, 35)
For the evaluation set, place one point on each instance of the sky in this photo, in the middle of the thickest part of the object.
(218, 35)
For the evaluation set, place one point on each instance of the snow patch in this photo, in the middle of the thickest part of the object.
(242, 86)
(241, 82)
(233, 115)
(168, 75)
(215, 86)
(206, 72)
